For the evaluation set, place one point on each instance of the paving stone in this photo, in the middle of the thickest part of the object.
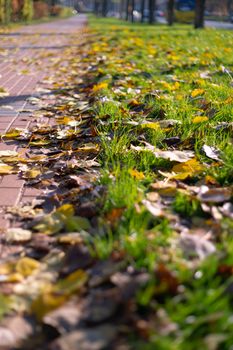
(21, 87)
(11, 181)
(9, 196)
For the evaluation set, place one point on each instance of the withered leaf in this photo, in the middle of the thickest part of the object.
(214, 195)
(95, 338)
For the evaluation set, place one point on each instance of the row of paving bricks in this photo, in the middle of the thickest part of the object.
(32, 49)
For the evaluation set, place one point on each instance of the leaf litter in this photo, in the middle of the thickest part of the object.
(134, 208)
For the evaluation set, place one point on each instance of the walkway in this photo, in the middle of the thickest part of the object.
(26, 57)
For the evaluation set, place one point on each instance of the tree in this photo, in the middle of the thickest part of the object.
(170, 12)
(104, 8)
(132, 10)
(142, 10)
(122, 8)
(28, 10)
(230, 6)
(5, 11)
(127, 9)
(96, 7)
(199, 14)
(152, 11)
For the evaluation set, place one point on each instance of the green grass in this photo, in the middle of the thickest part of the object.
(160, 68)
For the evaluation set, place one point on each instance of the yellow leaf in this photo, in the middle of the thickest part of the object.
(100, 86)
(200, 119)
(66, 209)
(14, 278)
(55, 222)
(228, 100)
(13, 133)
(197, 92)
(136, 174)
(31, 174)
(154, 126)
(6, 268)
(6, 169)
(168, 192)
(55, 295)
(187, 169)
(47, 302)
(72, 283)
(191, 166)
(26, 266)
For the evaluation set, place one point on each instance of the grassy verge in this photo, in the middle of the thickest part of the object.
(169, 89)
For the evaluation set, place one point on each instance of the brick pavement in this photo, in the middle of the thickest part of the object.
(25, 59)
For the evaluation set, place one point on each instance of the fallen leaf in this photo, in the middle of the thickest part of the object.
(214, 195)
(136, 174)
(200, 119)
(175, 156)
(196, 246)
(154, 208)
(197, 92)
(187, 169)
(99, 87)
(211, 152)
(6, 169)
(18, 235)
(95, 338)
(8, 153)
(64, 319)
(26, 266)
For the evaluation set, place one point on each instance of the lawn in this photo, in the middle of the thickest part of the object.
(147, 112)
(163, 92)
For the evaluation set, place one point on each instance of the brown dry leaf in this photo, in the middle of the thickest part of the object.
(95, 338)
(214, 195)
(154, 208)
(64, 319)
(14, 330)
(196, 246)
(100, 306)
(173, 156)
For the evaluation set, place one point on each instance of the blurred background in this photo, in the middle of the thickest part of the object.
(27, 10)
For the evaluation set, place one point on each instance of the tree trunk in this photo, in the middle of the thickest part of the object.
(151, 11)
(96, 7)
(104, 8)
(122, 8)
(170, 12)
(127, 10)
(142, 10)
(199, 14)
(132, 10)
(230, 7)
